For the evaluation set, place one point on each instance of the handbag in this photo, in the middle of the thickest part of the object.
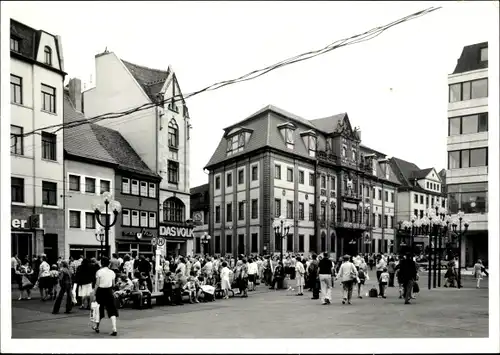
(25, 282)
(94, 314)
(73, 296)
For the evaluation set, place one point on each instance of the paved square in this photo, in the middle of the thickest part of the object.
(279, 314)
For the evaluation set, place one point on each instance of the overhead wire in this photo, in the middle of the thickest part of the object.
(368, 35)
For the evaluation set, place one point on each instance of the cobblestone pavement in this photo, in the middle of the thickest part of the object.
(278, 314)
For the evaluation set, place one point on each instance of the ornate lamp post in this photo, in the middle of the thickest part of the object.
(281, 228)
(205, 240)
(109, 205)
(457, 222)
(99, 236)
(409, 228)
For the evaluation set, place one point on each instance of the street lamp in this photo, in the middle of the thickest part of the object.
(409, 229)
(281, 228)
(205, 239)
(116, 207)
(99, 236)
(458, 223)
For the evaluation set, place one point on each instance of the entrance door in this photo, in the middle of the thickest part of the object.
(50, 247)
(241, 244)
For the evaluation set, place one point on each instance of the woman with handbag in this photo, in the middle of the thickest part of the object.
(24, 273)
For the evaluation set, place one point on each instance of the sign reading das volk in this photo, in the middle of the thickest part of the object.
(166, 231)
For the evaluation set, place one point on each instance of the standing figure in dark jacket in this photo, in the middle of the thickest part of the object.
(407, 275)
(145, 268)
(65, 284)
(85, 277)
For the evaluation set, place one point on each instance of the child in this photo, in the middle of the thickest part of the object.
(54, 274)
(180, 282)
(190, 287)
(478, 272)
(168, 288)
(362, 278)
(383, 281)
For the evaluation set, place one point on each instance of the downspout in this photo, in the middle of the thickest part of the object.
(34, 162)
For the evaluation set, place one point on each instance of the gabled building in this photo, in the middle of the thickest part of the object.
(99, 159)
(312, 172)
(420, 189)
(200, 213)
(37, 168)
(159, 133)
(467, 146)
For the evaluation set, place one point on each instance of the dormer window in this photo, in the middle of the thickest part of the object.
(48, 55)
(287, 131)
(236, 143)
(484, 54)
(173, 134)
(310, 141)
(14, 44)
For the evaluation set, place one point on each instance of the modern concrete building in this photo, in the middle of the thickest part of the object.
(159, 134)
(37, 168)
(420, 189)
(467, 174)
(314, 173)
(200, 212)
(99, 159)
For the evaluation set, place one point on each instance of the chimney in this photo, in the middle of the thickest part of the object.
(75, 93)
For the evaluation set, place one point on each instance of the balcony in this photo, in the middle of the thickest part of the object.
(349, 195)
(351, 225)
(327, 157)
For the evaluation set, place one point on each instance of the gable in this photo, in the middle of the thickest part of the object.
(49, 41)
(151, 81)
(433, 175)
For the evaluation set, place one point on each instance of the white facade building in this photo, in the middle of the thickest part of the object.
(37, 167)
(467, 146)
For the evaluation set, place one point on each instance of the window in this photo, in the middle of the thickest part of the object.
(126, 217)
(152, 190)
(332, 187)
(217, 182)
(135, 218)
(373, 193)
(301, 243)
(289, 137)
(289, 174)
(415, 198)
(392, 196)
(426, 200)
(312, 243)
(277, 208)
(241, 177)
(427, 184)
(217, 214)
(229, 212)
(312, 146)
(74, 183)
(125, 185)
(49, 193)
(173, 134)
(277, 172)
(469, 197)
(16, 89)
(255, 173)
(17, 189)
(311, 179)
(14, 44)
(241, 211)
(380, 195)
(392, 222)
(289, 209)
(484, 54)
(173, 172)
(173, 210)
(467, 90)
(217, 243)
(74, 219)
(385, 221)
(90, 185)
(344, 151)
(323, 182)
(301, 177)
(255, 207)
(373, 219)
(432, 201)
(229, 179)
(16, 140)
(105, 186)
(354, 156)
(443, 203)
(468, 158)
(468, 124)
(479, 88)
(332, 214)
(255, 243)
(236, 143)
(229, 243)
(379, 220)
(421, 213)
(386, 195)
(301, 211)
(144, 219)
(421, 199)
(48, 55)
(48, 98)
(323, 213)
(89, 220)
(312, 212)
(49, 141)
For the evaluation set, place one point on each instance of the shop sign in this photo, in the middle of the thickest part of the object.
(20, 223)
(33, 222)
(141, 234)
(172, 231)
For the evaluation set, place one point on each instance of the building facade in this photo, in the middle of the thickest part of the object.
(313, 173)
(467, 146)
(200, 212)
(37, 167)
(159, 134)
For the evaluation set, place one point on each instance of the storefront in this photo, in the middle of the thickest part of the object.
(179, 239)
(27, 235)
(135, 241)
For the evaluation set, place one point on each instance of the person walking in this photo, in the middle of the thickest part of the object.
(299, 276)
(348, 275)
(325, 270)
(105, 281)
(65, 284)
(314, 277)
(23, 275)
(408, 275)
(391, 269)
(44, 281)
(84, 277)
(362, 276)
(381, 264)
(252, 274)
(478, 272)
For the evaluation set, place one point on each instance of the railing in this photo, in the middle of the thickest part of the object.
(351, 194)
(351, 225)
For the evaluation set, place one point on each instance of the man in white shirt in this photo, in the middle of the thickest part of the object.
(181, 266)
(105, 281)
(252, 274)
(208, 268)
(381, 264)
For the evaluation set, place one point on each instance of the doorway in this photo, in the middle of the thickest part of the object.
(241, 244)
(22, 245)
(50, 247)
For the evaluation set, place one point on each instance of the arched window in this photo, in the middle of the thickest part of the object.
(173, 210)
(48, 55)
(173, 134)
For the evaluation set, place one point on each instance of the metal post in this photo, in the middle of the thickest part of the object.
(106, 229)
(439, 255)
(435, 257)
(430, 260)
(281, 238)
(459, 276)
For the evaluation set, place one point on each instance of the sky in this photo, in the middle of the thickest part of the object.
(394, 87)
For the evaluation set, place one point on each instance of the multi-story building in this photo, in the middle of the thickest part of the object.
(200, 212)
(312, 173)
(420, 189)
(99, 159)
(467, 174)
(159, 133)
(37, 168)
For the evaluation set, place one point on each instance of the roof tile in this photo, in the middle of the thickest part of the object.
(151, 80)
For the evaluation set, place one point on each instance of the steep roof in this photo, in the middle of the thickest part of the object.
(91, 141)
(470, 59)
(199, 189)
(151, 80)
(404, 170)
(421, 174)
(328, 124)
